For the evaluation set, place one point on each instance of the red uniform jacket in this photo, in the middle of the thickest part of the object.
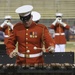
(7, 31)
(59, 33)
(27, 39)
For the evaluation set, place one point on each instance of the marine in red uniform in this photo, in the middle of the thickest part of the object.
(29, 36)
(59, 28)
(7, 28)
(36, 16)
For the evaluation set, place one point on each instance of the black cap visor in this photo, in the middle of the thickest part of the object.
(25, 18)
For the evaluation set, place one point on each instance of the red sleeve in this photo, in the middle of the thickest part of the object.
(11, 44)
(48, 38)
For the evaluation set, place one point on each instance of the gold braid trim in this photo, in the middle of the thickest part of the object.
(8, 31)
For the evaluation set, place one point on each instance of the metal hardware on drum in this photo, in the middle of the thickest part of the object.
(38, 68)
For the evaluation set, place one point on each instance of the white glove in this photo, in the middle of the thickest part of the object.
(11, 25)
(4, 23)
(62, 23)
(13, 54)
(51, 49)
(55, 21)
(59, 19)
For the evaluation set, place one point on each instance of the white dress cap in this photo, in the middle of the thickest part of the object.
(7, 17)
(36, 16)
(59, 14)
(24, 10)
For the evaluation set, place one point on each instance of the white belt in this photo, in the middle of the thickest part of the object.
(30, 55)
(59, 33)
(6, 35)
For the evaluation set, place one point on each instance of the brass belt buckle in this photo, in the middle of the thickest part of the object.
(27, 55)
